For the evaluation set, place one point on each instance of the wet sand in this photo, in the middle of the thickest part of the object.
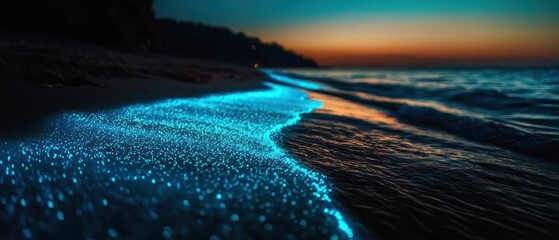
(25, 104)
(42, 76)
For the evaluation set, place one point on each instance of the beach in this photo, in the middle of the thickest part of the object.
(113, 144)
(312, 153)
(339, 120)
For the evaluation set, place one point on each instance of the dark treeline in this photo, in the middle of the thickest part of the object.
(132, 24)
(197, 40)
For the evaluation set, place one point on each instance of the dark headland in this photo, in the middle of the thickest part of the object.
(61, 55)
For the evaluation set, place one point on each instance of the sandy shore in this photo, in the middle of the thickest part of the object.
(39, 78)
(25, 104)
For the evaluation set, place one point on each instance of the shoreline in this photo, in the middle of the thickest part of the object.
(149, 162)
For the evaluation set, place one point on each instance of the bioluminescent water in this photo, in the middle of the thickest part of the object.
(203, 168)
(437, 153)
(292, 81)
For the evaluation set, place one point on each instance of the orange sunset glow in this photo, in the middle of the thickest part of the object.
(433, 42)
(394, 33)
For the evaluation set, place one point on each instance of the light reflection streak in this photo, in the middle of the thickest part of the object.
(293, 81)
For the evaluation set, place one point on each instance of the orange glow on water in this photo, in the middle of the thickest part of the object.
(339, 107)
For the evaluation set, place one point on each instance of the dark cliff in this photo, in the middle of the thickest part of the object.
(131, 24)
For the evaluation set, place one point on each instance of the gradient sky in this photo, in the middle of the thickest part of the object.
(391, 32)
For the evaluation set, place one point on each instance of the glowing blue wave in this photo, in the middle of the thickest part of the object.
(204, 168)
(292, 81)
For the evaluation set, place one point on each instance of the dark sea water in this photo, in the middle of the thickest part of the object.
(436, 154)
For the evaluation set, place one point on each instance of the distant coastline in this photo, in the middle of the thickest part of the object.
(132, 25)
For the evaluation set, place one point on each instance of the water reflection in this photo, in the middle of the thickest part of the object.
(434, 160)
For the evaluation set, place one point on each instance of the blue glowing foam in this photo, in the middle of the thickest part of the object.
(293, 81)
(204, 168)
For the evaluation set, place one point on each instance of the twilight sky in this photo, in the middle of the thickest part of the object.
(391, 32)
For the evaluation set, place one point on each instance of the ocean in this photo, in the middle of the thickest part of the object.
(435, 153)
(316, 154)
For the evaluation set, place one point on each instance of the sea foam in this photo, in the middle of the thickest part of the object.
(205, 168)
